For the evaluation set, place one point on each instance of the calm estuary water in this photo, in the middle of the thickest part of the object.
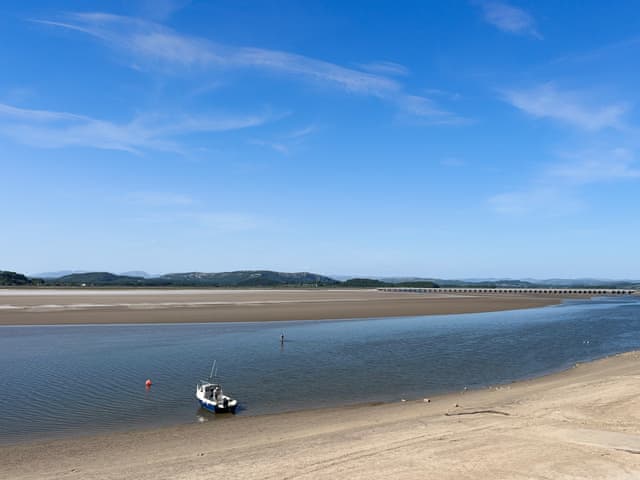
(66, 380)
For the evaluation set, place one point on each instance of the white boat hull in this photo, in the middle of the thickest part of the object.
(211, 398)
(220, 407)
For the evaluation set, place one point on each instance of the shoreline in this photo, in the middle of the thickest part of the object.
(46, 307)
(556, 422)
(61, 437)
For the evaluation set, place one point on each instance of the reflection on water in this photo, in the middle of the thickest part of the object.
(75, 379)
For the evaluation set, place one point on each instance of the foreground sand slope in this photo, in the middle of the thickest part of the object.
(583, 423)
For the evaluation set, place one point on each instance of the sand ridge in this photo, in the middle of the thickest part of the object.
(92, 306)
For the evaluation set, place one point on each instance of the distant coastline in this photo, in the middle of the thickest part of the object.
(273, 279)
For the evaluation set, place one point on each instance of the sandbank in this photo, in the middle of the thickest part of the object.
(109, 306)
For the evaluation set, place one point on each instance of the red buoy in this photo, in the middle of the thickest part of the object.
(147, 383)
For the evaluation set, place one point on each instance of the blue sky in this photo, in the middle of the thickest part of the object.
(442, 139)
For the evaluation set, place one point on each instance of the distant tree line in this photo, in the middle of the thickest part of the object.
(371, 283)
(17, 279)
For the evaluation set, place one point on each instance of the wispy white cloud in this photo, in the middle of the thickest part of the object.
(186, 212)
(302, 132)
(152, 44)
(625, 47)
(593, 166)
(52, 129)
(9, 111)
(550, 200)
(559, 186)
(567, 177)
(509, 18)
(438, 92)
(546, 101)
(427, 111)
(385, 68)
(274, 145)
(206, 88)
(286, 142)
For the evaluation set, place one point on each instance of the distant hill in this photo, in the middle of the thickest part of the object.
(418, 284)
(366, 283)
(97, 279)
(509, 283)
(65, 273)
(247, 278)
(17, 279)
(269, 278)
(403, 279)
(488, 282)
(587, 282)
(374, 283)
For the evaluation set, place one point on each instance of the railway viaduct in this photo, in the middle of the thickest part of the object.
(535, 291)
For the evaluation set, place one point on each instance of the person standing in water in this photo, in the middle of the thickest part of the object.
(282, 338)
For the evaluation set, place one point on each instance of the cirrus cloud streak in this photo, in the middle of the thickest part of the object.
(52, 129)
(157, 46)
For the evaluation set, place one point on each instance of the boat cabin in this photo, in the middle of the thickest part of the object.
(211, 391)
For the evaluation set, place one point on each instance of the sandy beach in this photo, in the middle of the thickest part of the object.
(578, 424)
(94, 306)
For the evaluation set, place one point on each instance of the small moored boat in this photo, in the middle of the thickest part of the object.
(211, 397)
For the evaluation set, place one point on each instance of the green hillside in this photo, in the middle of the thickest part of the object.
(97, 279)
(371, 283)
(17, 279)
(247, 278)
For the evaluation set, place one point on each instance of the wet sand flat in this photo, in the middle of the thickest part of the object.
(580, 424)
(93, 306)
